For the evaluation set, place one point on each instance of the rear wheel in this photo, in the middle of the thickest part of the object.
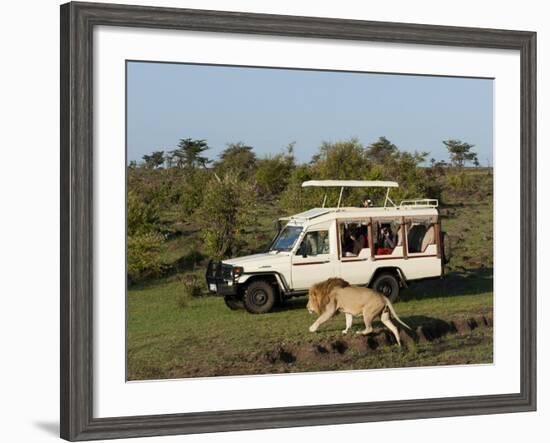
(445, 243)
(387, 285)
(259, 297)
(233, 302)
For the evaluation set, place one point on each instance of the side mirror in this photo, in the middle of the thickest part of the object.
(302, 250)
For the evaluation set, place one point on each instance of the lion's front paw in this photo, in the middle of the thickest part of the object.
(312, 328)
(344, 332)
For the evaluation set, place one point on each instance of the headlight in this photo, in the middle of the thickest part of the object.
(237, 271)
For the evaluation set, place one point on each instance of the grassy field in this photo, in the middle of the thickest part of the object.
(204, 338)
(171, 335)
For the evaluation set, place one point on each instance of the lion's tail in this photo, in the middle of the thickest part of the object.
(394, 314)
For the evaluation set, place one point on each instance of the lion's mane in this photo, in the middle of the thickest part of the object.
(319, 293)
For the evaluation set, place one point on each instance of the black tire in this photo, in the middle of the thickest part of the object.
(445, 243)
(259, 297)
(233, 302)
(388, 285)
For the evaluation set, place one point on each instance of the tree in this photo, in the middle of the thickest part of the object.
(142, 216)
(340, 161)
(169, 159)
(294, 198)
(188, 153)
(143, 256)
(273, 172)
(155, 160)
(227, 209)
(381, 151)
(460, 152)
(237, 159)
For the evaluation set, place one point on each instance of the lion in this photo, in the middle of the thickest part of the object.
(337, 295)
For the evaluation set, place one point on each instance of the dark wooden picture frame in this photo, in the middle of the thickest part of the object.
(77, 23)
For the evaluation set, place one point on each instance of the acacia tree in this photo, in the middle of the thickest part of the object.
(381, 151)
(188, 154)
(238, 159)
(155, 160)
(460, 152)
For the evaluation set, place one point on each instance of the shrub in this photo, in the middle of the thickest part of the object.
(228, 207)
(190, 288)
(273, 172)
(142, 217)
(237, 159)
(143, 256)
(340, 161)
(189, 190)
(460, 181)
(295, 198)
(191, 285)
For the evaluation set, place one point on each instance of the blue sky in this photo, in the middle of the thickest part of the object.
(270, 108)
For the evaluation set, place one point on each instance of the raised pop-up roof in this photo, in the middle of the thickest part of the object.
(351, 184)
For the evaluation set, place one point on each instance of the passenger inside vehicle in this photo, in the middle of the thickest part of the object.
(355, 238)
(386, 240)
(358, 241)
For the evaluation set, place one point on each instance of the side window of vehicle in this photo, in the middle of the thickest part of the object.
(387, 235)
(314, 243)
(353, 237)
(420, 235)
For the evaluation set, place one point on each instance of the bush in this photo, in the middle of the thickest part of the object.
(192, 287)
(273, 172)
(237, 159)
(228, 207)
(460, 181)
(295, 198)
(189, 190)
(341, 161)
(142, 217)
(143, 256)
(350, 160)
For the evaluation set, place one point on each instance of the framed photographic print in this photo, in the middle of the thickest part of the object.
(272, 221)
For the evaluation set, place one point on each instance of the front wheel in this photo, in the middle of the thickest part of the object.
(259, 297)
(387, 285)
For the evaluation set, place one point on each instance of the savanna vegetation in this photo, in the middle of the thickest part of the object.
(185, 207)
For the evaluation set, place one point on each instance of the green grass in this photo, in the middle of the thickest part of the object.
(171, 335)
(205, 338)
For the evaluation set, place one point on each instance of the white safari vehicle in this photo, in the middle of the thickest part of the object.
(381, 247)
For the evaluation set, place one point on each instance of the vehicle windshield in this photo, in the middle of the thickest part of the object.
(286, 238)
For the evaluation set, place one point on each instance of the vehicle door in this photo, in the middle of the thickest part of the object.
(355, 264)
(313, 258)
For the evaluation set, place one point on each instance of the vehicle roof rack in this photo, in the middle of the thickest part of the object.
(419, 203)
(352, 184)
